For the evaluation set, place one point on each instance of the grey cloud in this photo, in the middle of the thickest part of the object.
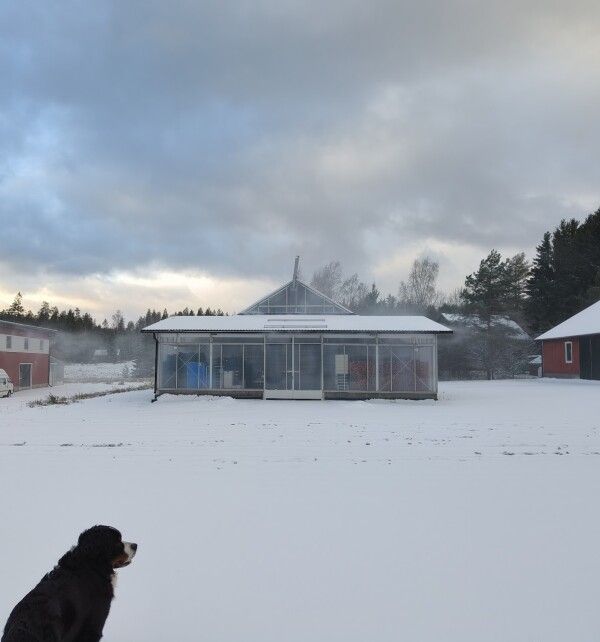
(229, 136)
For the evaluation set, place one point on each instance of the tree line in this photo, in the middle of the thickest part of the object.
(81, 339)
(562, 279)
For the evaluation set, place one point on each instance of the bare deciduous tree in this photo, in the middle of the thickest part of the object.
(419, 291)
(328, 280)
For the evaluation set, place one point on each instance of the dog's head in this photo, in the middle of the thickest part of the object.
(104, 543)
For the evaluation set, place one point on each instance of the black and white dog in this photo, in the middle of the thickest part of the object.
(71, 603)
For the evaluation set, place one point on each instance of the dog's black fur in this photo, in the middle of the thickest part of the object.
(71, 603)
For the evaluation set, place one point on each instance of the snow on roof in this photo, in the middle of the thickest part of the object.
(298, 323)
(585, 322)
(472, 320)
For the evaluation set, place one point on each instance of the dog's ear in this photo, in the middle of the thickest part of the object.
(94, 545)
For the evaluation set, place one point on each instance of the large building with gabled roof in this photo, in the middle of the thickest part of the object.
(297, 343)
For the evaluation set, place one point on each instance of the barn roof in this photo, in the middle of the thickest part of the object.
(298, 324)
(585, 322)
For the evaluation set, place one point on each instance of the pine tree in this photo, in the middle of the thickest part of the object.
(16, 308)
(492, 294)
(43, 315)
(541, 292)
(484, 291)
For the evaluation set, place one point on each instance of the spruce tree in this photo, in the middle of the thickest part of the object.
(541, 295)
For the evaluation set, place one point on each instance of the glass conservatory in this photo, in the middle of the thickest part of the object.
(296, 343)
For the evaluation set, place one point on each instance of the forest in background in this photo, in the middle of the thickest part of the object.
(562, 279)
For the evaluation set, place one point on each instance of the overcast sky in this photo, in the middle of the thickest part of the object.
(183, 152)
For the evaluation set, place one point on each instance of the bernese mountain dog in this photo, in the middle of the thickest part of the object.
(71, 603)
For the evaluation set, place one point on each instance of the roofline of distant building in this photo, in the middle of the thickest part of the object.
(28, 325)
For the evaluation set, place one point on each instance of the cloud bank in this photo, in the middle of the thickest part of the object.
(216, 140)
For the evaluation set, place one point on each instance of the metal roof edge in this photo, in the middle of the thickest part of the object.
(287, 330)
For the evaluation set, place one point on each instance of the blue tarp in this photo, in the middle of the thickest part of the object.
(197, 375)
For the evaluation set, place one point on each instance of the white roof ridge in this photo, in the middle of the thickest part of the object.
(583, 323)
(329, 322)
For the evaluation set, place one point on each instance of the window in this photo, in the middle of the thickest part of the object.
(349, 367)
(25, 344)
(8, 343)
(568, 352)
(42, 345)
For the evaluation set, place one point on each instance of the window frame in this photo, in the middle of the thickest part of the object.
(568, 352)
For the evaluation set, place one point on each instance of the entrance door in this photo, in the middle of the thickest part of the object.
(293, 370)
(24, 375)
(307, 371)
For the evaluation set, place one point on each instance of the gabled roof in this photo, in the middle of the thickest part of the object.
(260, 323)
(296, 297)
(585, 322)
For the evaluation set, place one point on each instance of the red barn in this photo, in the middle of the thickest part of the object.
(25, 354)
(572, 348)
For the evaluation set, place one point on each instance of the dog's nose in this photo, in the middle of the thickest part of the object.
(134, 547)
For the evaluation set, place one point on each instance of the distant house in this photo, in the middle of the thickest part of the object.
(296, 343)
(25, 354)
(572, 348)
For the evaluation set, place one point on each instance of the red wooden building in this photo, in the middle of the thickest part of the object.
(572, 348)
(25, 354)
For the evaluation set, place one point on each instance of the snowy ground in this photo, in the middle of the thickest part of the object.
(473, 518)
(75, 372)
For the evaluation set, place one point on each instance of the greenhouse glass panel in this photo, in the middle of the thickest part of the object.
(167, 366)
(253, 367)
(187, 367)
(424, 368)
(307, 366)
(278, 366)
(349, 367)
(403, 369)
(232, 369)
(334, 369)
(196, 368)
(385, 368)
(372, 366)
(358, 367)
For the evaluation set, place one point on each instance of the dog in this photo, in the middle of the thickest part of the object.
(71, 603)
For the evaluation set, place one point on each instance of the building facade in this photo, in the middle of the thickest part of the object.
(572, 348)
(296, 343)
(25, 354)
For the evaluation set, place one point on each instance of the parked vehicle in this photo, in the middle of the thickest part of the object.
(6, 385)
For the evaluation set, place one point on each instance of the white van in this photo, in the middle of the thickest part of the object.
(6, 385)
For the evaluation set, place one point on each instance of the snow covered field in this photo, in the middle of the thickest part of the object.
(473, 518)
